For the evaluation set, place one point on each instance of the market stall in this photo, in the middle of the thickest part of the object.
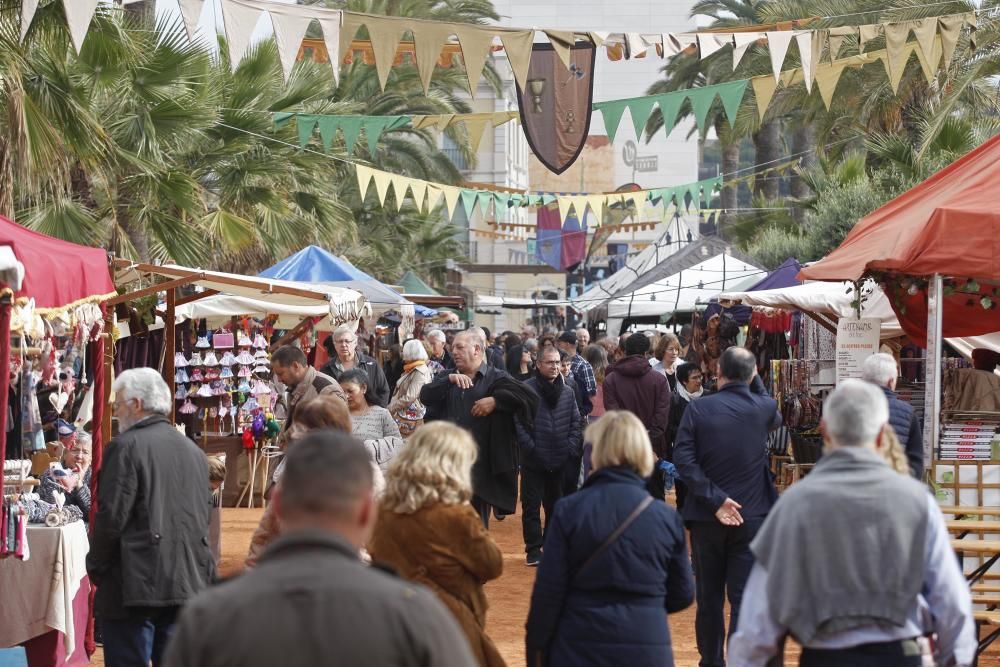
(50, 326)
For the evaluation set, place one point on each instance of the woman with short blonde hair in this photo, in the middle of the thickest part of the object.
(428, 531)
(620, 439)
(614, 560)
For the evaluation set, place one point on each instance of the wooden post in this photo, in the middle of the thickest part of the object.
(109, 376)
(932, 386)
(170, 346)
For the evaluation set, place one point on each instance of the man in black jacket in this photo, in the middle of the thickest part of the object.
(882, 371)
(310, 600)
(149, 550)
(549, 447)
(721, 454)
(342, 345)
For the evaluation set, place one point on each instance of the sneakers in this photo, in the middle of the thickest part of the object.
(534, 558)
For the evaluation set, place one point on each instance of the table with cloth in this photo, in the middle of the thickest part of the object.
(44, 600)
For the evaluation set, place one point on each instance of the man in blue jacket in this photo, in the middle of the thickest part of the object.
(549, 446)
(721, 454)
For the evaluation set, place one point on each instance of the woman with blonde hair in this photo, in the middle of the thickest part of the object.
(428, 531)
(614, 564)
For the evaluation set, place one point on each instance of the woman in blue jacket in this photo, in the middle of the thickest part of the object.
(615, 562)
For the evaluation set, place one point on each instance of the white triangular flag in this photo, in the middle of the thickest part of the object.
(28, 8)
(191, 13)
(289, 31)
(804, 39)
(78, 16)
(364, 179)
(742, 42)
(709, 43)
(331, 38)
(241, 20)
(778, 42)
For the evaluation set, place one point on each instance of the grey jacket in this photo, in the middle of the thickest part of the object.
(149, 538)
(310, 601)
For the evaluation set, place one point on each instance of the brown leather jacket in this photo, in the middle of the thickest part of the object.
(446, 548)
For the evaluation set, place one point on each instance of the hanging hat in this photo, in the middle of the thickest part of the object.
(228, 359)
(180, 361)
(259, 342)
(245, 340)
(187, 408)
(244, 386)
(244, 372)
(204, 391)
(202, 343)
(181, 392)
(181, 376)
(195, 359)
(210, 359)
(262, 370)
(64, 428)
(260, 388)
(197, 376)
(227, 372)
(245, 358)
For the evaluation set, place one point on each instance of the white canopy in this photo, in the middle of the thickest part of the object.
(682, 291)
(489, 304)
(833, 299)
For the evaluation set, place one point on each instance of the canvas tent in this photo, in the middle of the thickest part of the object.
(681, 292)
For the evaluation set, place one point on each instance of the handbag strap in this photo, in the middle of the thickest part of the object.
(613, 537)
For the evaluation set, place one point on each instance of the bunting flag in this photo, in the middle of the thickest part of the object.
(350, 128)
(426, 196)
(79, 13)
(700, 99)
(28, 9)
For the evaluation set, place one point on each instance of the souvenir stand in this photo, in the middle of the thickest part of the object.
(49, 326)
(933, 250)
(225, 394)
(322, 269)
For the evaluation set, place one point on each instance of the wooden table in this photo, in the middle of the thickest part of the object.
(990, 548)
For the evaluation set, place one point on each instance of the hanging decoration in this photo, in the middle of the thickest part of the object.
(350, 128)
(669, 104)
(556, 104)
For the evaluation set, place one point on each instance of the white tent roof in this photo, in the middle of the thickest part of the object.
(487, 304)
(685, 290)
(834, 299)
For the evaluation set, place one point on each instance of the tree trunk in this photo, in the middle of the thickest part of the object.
(767, 144)
(803, 146)
(730, 165)
(6, 182)
(135, 232)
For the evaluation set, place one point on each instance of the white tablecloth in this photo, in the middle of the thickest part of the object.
(36, 595)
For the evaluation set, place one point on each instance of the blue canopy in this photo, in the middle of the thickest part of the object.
(313, 264)
(781, 277)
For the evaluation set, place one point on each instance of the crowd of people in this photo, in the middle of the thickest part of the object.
(375, 545)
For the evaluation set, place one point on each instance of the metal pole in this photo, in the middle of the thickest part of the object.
(932, 387)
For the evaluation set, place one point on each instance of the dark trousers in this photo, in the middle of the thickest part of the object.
(888, 654)
(539, 488)
(722, 562)
(483, 508)
(139, 639)
(571, 475)
(656, 485)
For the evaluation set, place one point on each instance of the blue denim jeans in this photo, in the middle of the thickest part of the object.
(138, 639)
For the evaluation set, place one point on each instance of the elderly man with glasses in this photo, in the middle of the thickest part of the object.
(344, 356)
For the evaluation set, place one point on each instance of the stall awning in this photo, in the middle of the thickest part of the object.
(487, 304)
(57, 274)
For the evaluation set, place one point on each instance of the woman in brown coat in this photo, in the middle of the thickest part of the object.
(429, 532)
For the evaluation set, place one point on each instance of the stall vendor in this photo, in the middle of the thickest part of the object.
(72, 477)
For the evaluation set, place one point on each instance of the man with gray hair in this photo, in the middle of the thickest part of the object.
(854, 561)
(310, 600)
(882, 371)
(149, 549)
(440, 357)
(342, 345)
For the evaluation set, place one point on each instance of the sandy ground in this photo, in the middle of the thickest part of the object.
(509, 596)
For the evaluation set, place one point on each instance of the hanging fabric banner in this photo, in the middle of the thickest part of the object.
(350, 128)
(556, 104)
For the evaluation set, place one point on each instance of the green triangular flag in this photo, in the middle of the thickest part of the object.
(612, 112)
(500, 202)
(517, 201)
(640, 108)
(731, 95)
(662, 195)
(281, 119)
(328, 130)
(374, 126)
(670, 104)
(306, 126)
(695, 191)
(351, 127)
(701, 101)
(469, 199)
(548, 199)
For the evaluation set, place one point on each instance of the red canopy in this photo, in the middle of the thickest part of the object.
(949, 224)
(57, 273)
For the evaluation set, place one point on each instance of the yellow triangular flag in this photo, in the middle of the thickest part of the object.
(419, 190)
(763, 92)
(950, 27)
(384, 35)
(827, 77)
(867, 33)
(400, 184)
(837, 36)
(428, 40)
(517, 44)
(925, 30)
(562, 41)
(475, 43)
(897, 53)
(475, 127)
(444, 120)
(364, 179)
(451, 195)
(352, 23)
(597, 203)
(382, 182)
(930, 66)
(565, 203)
(434, 195)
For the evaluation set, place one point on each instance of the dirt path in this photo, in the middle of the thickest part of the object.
(509, 596)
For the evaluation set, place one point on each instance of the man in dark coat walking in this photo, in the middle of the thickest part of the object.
(548, 449)
(344, 356)
(484, 400)
(721, 454)
(632, 384)
(310, 600)
(881, 370)
(149, 549)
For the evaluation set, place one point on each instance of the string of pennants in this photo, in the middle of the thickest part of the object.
(730, 94)
(476, 42)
